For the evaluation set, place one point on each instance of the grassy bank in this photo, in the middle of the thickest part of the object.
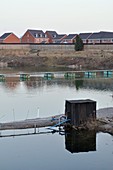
(87, 59)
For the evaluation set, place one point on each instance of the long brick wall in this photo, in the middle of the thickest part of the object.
(54, 47)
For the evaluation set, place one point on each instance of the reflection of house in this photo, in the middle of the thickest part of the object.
(101, 37)
(82, 141)
(9, 38)
(12, 82)
(34, 36)
(84, 37)
(54, 37)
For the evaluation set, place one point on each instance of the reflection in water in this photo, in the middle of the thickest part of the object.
(11, 83)
(46, 152)
(75, 141)
(49, 95)
(78, 84)
(35, 82)
(80, 141)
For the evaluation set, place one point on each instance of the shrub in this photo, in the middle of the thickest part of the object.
(78, 44)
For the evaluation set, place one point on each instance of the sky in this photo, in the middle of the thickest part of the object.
(63, 16)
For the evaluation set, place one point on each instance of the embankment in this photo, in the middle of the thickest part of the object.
(99, 125)
(92, 57)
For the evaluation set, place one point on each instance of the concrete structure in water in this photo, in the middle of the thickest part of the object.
(80, 111)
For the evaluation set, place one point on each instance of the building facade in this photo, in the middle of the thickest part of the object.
(54, 37)
(101, 37)
(69, 39)
(34, 36)
(9, 38)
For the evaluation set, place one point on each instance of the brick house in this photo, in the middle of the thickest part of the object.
(54, 37)
(101, 37)
(69, 39)
(84, 37)
(34, 36)
(51, 35)
(59, 38)
(9, 38)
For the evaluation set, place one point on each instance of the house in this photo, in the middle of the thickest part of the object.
(54, 37)
(9, 38)
(59, 38)
(51, 35)
(34, 36)
(69, 39)
(101, 37)
(84, 37)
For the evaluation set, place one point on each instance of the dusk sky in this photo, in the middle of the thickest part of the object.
(64, 16)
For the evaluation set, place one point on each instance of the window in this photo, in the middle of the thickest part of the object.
(36, 35)
(54, 36)
(40, 35)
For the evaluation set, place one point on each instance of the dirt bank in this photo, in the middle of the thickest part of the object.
(91, 59)
(103, 123)
(30, 123)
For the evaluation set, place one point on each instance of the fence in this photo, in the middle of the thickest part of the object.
(54, 47)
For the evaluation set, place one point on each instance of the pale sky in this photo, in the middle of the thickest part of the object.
(63, 16)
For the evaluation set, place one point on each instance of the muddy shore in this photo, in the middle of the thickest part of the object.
(103, 123)
(92, 59)
(29, 123)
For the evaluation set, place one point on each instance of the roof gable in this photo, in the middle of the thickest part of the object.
(101, 35)
(37, 33)
(85, 35)
(71, 36)
(60, 36)
(5, 35)
(52, 34)
(106, 34)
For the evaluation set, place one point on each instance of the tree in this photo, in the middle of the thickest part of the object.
(78, 44)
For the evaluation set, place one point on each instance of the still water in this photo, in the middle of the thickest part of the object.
(39, 97)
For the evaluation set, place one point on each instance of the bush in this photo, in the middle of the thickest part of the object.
(78, 44)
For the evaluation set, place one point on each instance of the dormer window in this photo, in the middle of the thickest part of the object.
(36, 35)
(40, 35)
(54, 36)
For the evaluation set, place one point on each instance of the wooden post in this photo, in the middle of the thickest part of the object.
(34, 128)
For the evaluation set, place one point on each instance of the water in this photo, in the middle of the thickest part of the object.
(38, 97)
(49, 152)
(24, 99)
